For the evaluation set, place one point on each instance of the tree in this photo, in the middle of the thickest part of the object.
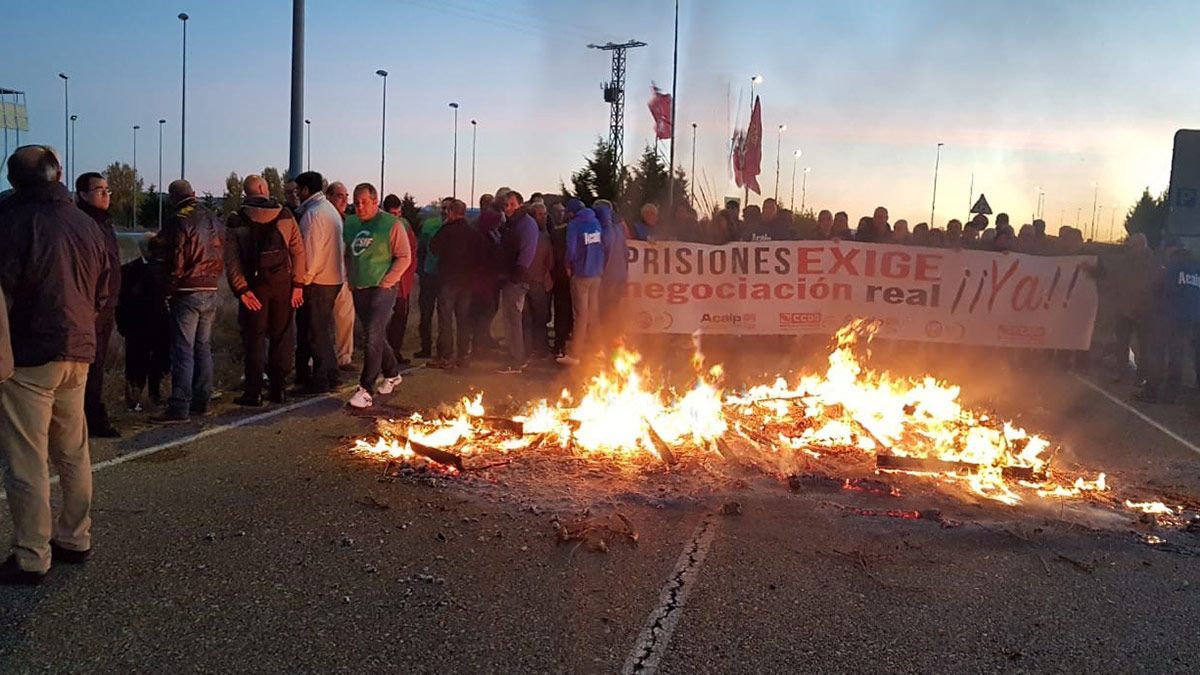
(1149, 217)
(148, 212)
(410, 211)
(600, 178)
(649, 184)
(274, 183)
(233, 193)
(126, 193)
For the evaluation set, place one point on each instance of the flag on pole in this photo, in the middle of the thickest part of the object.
(752, 155)
(738, 157)
(660, 109)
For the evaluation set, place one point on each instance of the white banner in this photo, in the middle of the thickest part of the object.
(916, 293)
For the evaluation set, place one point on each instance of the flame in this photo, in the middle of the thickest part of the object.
(1153, 508)
(621, 417)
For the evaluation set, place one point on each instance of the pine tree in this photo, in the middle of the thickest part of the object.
(233, 193)
(1149, 217)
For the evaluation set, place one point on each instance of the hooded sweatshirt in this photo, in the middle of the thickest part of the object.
(263, 248)
(585, 245)
(612, 235)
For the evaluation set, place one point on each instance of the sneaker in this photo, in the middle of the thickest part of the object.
(248, 401)
(168, 417)
(389, 384)
(361, 399)
(512, 370)
(403, 362)
(61, 554)
(11, 574)
(567, 360)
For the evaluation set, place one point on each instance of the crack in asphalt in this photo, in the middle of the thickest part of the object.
(653, 641)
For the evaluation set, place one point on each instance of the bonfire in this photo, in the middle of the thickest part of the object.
(623, 421)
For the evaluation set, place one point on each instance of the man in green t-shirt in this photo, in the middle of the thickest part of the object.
(377, 254)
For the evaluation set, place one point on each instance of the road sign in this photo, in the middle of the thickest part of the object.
(981, 206)
(1183, 197)
(14, 116)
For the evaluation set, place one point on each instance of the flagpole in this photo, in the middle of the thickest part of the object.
(674, 81)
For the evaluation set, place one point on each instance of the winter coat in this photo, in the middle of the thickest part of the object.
(585, 246)
(54, 269)
(459, 248)
(142, 310)
(616, 247)
(103, 221)
(195, 238)
(263, 248)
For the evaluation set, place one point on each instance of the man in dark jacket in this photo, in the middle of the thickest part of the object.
(54, 270)
(195, 241)
(556, 228)
(398, 326)
(92, 196)
(265, 265)
(1178, 310)
(144, 320)
(459, 250)
(518, 249)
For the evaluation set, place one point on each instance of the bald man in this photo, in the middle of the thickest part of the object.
(343, 305)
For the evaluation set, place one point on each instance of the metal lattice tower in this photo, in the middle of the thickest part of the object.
(614, 94)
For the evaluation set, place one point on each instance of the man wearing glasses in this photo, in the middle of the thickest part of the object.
(92, 196)
(343, 305)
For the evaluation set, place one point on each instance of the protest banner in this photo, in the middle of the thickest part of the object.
(915, 293)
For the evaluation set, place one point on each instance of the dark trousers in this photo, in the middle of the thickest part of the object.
(398, 326)
(374, 309)
(454, 322)
(314, 330)
(272, 323)
(427, 303)
(483, 312)
(1172, 339)
(147, 361)
(537, 315)
(93, 394)
(1127, 330)
(564, 318)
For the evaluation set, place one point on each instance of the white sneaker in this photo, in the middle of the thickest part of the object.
(389, 384)
(361, 399)
(568, 360)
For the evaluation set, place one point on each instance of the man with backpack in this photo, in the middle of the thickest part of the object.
(265, 266)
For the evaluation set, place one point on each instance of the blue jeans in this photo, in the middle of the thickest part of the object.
(374, 309)
(192, 316)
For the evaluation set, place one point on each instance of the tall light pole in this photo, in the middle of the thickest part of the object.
(135, 184)
(778, 153)
(74, 161)
(674, 84)
(454, 163)
(1112, 223)
(382, 129)
(1040, 211)
(692, 183)
(937, 163)
(160, 185)
(757, 79)
(1095, 202)
(804, 188)
(183, 104)
(66, 125)
(795, 160)
(308, 128)
(296, 123)
(474, 133)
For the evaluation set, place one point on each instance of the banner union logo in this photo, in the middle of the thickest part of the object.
(799, 319)
(747, 319)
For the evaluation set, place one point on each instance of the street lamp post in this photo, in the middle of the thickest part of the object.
(160, 185)
(474, 133)
(135, 184)
(74, 161)
(1095, 202)
(66, 124)
(692, 184)
(382, 129)
(795, 160)
(804, 188)
(1112, 223)
(1040, 211)
(308, 128)
(183, 103)
(454, 163)
(937, 163)
(778, 153)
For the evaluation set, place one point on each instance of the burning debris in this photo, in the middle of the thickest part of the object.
(849, 415)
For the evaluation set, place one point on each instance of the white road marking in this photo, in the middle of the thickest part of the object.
(656, 636)
(210, 431)
(1143, 416)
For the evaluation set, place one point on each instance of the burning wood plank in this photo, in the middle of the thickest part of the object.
(504, 424)
(932, 465)
(660, 446)
(433, 454)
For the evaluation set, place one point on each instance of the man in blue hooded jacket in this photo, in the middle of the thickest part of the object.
(616, 266)
(585, 267)
(1175, 325)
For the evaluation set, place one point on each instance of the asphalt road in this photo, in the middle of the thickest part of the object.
(270, 548)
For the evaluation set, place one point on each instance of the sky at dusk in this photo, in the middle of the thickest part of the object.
(1061, 95)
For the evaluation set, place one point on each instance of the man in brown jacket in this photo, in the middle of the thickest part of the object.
(265, 265)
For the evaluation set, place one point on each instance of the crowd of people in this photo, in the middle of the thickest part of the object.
(326, 261)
